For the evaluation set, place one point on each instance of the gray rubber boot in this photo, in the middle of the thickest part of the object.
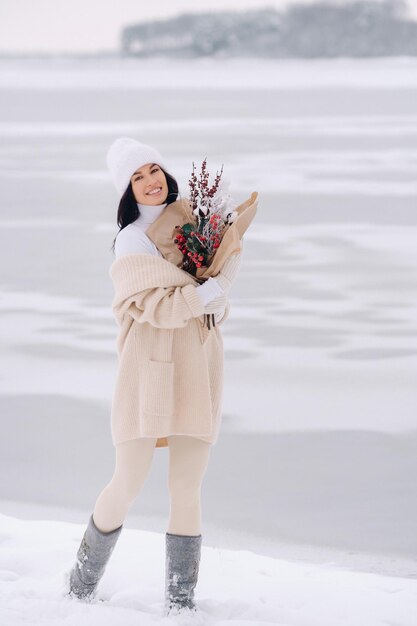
(181, 571)
(92, 556)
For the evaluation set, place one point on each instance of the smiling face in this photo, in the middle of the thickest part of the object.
(146, 179)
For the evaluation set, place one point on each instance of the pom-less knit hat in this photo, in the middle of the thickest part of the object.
(125, 156)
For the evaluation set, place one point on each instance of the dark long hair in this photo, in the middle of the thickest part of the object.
(128, 209)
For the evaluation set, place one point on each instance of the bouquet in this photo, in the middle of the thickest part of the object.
(213, 210)
(171, 231)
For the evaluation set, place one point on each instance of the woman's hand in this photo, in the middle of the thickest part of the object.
(216, 305)
(220, 307)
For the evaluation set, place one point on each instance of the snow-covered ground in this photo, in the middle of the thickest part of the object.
(318, 451)
(235, 587)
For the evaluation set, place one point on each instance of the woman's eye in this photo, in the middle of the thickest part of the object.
(155, 169)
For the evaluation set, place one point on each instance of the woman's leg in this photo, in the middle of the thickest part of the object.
(188, 460)
(133, 461)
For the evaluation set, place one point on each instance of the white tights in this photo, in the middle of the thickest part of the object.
(188, 460)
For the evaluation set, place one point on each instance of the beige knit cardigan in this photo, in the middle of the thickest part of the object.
(170, 375)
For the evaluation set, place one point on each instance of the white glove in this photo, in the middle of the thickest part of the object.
(209, 290)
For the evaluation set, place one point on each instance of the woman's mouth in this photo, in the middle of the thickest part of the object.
(155, 192)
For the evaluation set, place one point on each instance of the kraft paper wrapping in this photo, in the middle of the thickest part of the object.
(162, 232)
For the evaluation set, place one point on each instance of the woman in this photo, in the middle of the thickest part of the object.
(169, 383)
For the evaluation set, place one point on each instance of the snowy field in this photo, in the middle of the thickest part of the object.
(235, 587)
(316, 463)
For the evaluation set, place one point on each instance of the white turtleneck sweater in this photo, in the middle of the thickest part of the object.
(133, 239)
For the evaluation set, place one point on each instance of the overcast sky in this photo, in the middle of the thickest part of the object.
(88, 25)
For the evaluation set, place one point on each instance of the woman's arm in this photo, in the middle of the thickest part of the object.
(225, 278)
(222, 316)
(164, 307)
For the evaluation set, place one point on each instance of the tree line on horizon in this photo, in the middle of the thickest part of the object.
(361, 28)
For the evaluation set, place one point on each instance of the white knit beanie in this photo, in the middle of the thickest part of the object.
(125, 156)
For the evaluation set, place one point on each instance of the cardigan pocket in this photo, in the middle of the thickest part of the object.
(159, 388)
